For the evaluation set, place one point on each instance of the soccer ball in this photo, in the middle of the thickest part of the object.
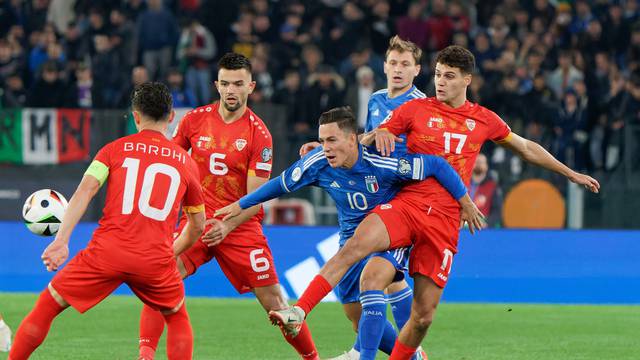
(43, 211)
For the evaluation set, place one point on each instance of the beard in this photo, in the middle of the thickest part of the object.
(232, 108)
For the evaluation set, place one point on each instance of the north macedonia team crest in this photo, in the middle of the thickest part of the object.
(240, 144)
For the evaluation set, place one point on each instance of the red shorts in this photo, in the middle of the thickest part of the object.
(83, 284)
(245, 258)
(434, 237)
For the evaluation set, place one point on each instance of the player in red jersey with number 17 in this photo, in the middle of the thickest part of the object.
(233, 150)
(148, 177)
(423, 214)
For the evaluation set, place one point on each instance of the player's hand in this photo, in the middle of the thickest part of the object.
(305, 148)
(55, 255)
(471, 215)
(368, 138)
(587, 181)
(218, 231)
(229, 211)
(386, 141)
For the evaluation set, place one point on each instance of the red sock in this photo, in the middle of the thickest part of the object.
(303, 343)
(402, 351)
(316, 291)
(35, 327)
(151, 327)
(179, 335)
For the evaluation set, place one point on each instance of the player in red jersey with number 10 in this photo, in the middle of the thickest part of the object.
(424, 214)
(233, 150)
(148, 179)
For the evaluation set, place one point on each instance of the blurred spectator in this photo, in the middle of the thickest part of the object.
(48, 90)
(75, 45)
(82, 92)
(347, 31)
(35, 15)
(381, 26)
(618, 30)
(311, 59)
(564, 75)
(243, 40)
(14, 94)
(439, 26)
(122, 38)
(358, 93)
(360, 57)
(60, 13)
(582, 18)
(98, 25)
(134, 8)
(9, 64)
(289, 93)
(485, 192)
(324, 91)
(196, 49)
(139, 75)
(569, 129)
(108, 74)
(183, 97)
(413, 27)
(264, 82)
(157, 35)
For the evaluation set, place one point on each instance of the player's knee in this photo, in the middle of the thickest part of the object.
(422, 319)
(371, 281)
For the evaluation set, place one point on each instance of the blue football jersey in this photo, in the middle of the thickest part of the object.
(372, 180)
(380, 105)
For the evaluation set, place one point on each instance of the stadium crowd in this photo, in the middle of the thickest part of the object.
(565, 74)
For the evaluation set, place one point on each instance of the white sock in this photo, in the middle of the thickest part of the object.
(2, 324)
(354, 353)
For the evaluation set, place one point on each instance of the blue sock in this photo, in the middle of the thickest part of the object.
(389, 337)
(356, 345)
(372, 322)
(401, 306)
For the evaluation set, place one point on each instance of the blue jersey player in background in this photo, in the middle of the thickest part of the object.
(357, 179)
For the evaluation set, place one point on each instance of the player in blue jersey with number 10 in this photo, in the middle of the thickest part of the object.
(401, 66)
(358, 179)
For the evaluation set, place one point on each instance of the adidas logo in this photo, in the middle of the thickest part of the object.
(375, 112)
(335, 185)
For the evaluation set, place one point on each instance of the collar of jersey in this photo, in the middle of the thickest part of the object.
(412, 88)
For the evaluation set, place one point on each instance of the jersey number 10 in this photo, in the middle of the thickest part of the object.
(149, 179)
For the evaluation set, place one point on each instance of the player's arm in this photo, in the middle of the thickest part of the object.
(425, 166)
(387, 134)
(191, 232)
(270, 190)
(58, 251)
(532, 152)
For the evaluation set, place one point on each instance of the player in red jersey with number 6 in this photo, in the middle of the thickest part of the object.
(233, 150)
(148, 179)
(423, 214)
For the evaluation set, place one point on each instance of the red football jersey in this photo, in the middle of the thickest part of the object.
(226, 154)
(149, 177)
(457, 135)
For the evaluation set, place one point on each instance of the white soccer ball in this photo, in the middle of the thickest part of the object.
(43, 211)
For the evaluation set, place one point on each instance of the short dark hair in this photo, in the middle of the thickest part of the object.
(458, 57)
(342, 116)
(234, 61)
(152, 99)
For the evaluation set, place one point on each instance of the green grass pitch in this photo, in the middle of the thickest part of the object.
(238, 329)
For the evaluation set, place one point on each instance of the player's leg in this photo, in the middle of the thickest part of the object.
(271, 298)
(370, 236)
(81, 284)
(376, 332)
(162, 290)
(35, 326)
(425, 301)
(151, 320)
(400, 296)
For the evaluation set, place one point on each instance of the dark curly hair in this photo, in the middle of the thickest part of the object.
(458, 57)
(152, 99)
(342, 116)
(234, 61)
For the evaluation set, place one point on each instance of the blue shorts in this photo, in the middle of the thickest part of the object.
(348, 289)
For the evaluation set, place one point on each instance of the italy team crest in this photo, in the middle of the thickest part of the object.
(372, 184)
(240, 144)
(471, 124)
